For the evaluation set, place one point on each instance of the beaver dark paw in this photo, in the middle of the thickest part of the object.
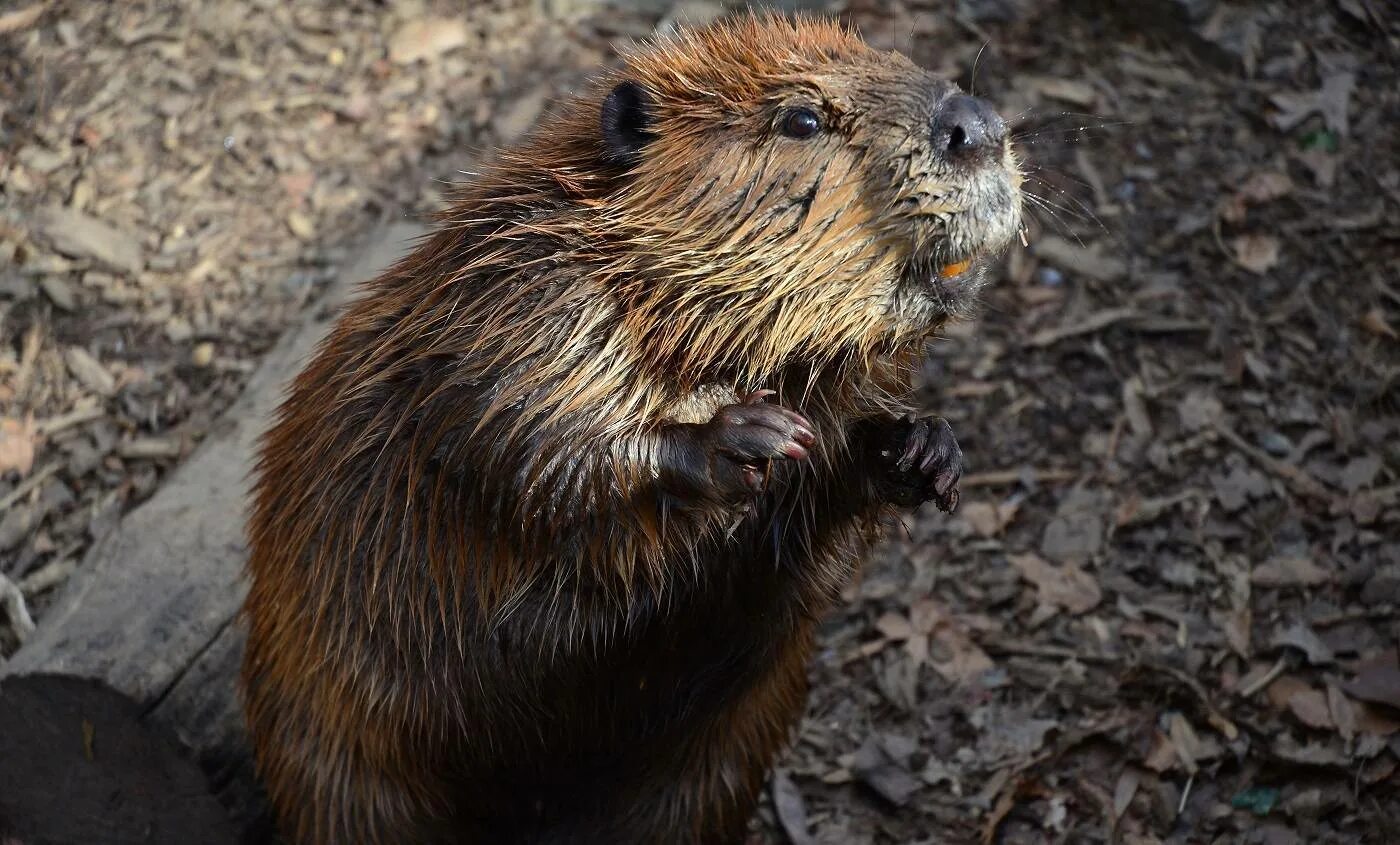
(923, 462)
(741, 441)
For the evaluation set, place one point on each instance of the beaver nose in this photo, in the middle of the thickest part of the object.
(964, 126)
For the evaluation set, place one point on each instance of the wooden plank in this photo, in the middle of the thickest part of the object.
(153, 609)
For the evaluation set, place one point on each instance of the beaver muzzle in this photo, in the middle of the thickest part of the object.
(977, 199)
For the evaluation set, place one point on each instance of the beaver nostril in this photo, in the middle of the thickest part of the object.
(964, 125)
(957, 139)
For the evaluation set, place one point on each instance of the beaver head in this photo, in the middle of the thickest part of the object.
(766, 192)
(789, 191)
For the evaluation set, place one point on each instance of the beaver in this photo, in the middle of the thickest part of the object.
(541, 534)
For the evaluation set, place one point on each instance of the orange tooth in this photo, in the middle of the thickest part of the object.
(954, 269)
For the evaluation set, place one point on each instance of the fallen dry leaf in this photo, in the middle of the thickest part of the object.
(791, 809)
(1332, 101)
(889, 778)
(1079, 259)
(1343, 712)
(1289, 571)
(1236, 625)
(1266, 186)
(301, 226)
(1360, 472)
(952, 652)
(1256, 253)
(1310, 707)
(1262, 187)
(84, 236)
(987, 519)
(1376, 683)
(1283, 689)
(18, 439)
(1376, 720)
(1124, 791)
(1199, 409)
(1300, 636)
(89, 371)
(427, 38)
(1065, 586)
(1310, 754)
(1376, 322)
(1069, 90)
(1184, 741)
(894, 626)
(21, 18)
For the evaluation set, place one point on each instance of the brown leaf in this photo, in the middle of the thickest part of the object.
(1065, 586)
(1256, 253)
(1376, 720)
(1309, 706)
(1162, 756)
(1124, 791)
(1184, 741)
(1282, 690)
(1289, 571)
(953, 654)
(924, 615)
(1237, 626)
(427, 38)
(1265, 186)
(1376, 683)
(1342, 711)
(986, 519)
(1376, 322)
(893, 626)
(18, 439)
(21, 18)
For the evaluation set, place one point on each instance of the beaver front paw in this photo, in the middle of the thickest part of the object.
(923, 462)
(742, 439)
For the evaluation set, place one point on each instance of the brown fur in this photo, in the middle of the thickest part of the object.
(477, 612)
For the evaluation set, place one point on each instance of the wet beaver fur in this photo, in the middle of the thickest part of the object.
(542, 533)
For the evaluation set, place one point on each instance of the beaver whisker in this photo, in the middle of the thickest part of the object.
(1050, 209)
(1084, 212)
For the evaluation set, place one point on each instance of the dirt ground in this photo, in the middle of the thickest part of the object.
(1168, 609)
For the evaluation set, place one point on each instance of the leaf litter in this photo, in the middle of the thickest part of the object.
(1172, 603)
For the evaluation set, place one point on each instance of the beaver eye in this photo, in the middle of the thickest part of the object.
(801, 123)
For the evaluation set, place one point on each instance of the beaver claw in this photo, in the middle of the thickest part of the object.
(924, 463)
(744, 438)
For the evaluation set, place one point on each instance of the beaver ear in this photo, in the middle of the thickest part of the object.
(626, 118)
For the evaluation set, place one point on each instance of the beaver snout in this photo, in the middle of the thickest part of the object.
(967, 129)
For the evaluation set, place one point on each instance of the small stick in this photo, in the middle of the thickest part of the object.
(13, 601)
(1299, 480)
(28, 484)
(1268, 678)
(1094, 322)
(1001, 477)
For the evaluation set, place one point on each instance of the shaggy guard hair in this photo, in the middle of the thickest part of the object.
(459, 496)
